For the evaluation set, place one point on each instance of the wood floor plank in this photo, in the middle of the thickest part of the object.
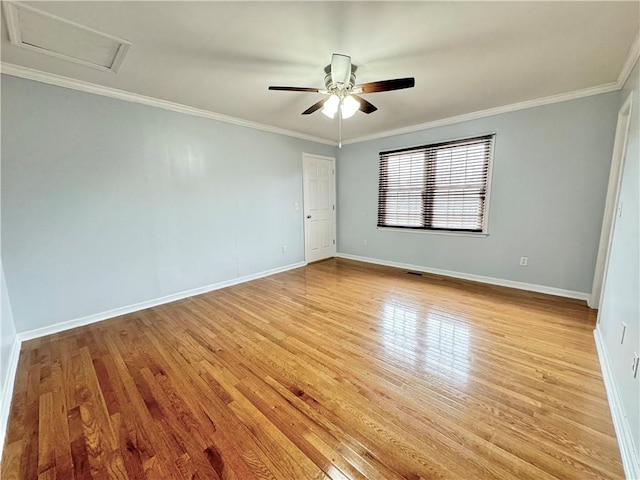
(46, 440)
(31, 420)
(337, 370)
(12, 460)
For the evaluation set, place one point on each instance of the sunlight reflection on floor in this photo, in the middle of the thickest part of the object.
(431, 342)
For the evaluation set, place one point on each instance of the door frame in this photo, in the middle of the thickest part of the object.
(305, 157)
(611, 203)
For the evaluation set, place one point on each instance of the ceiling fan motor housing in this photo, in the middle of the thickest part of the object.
(337, 89)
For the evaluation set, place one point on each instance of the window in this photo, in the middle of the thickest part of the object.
(442, 186)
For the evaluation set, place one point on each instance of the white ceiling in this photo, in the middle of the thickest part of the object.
(465, 56)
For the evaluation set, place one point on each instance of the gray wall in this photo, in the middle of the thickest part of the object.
(550, 175)
(107, 203)
(621, 294)
(7, 337)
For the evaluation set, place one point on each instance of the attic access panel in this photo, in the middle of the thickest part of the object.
(42, 32)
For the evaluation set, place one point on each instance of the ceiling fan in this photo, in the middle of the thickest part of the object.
(343, 93)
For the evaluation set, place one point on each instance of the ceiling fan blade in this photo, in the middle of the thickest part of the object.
(386, 85)
(295, 89)
(315, 106)
(365, 106)
(340, 69)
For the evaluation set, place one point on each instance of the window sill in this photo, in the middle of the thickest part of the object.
(451, 233)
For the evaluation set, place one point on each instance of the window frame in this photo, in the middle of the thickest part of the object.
(445, 231)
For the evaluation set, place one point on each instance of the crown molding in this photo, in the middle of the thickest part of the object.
(66, 82)
(87, 87)
(562, 97)
(632, 57)
(630, 62)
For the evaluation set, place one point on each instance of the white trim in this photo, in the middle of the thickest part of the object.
(487, 196)
(116, 312)
(66, 82)
(450, 233)
(7, 392)
(11, 18)
(123, 49)
(537, 102)
(321, 157)
(613, 194)
(632, 58)
(68, 58)
(469, 276)
(15, 36)
(457, 138)
(630, 460)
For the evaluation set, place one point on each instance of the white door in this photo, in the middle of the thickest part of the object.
(319, 207)
(611, 203)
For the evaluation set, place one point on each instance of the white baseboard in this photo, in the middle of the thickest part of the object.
(475, 278)
(79, 322)
(7, 390)
(630, 460)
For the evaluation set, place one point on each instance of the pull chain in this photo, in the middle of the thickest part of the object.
(340, 126)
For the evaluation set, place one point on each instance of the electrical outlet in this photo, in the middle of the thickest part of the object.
(634, 366)
(524, 261)
(620, 210)
(296, 206)
(284, 249)
(624, 330)
(365, 242)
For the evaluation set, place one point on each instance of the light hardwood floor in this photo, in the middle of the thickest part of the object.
(336, 370)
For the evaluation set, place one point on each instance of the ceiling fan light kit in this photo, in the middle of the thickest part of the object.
(340, 83)
(331, 106)
(349, 107)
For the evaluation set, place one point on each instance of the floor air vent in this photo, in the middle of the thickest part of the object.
(419, 274)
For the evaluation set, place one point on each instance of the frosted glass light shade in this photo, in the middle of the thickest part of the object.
(349, 106)
(331, 106)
